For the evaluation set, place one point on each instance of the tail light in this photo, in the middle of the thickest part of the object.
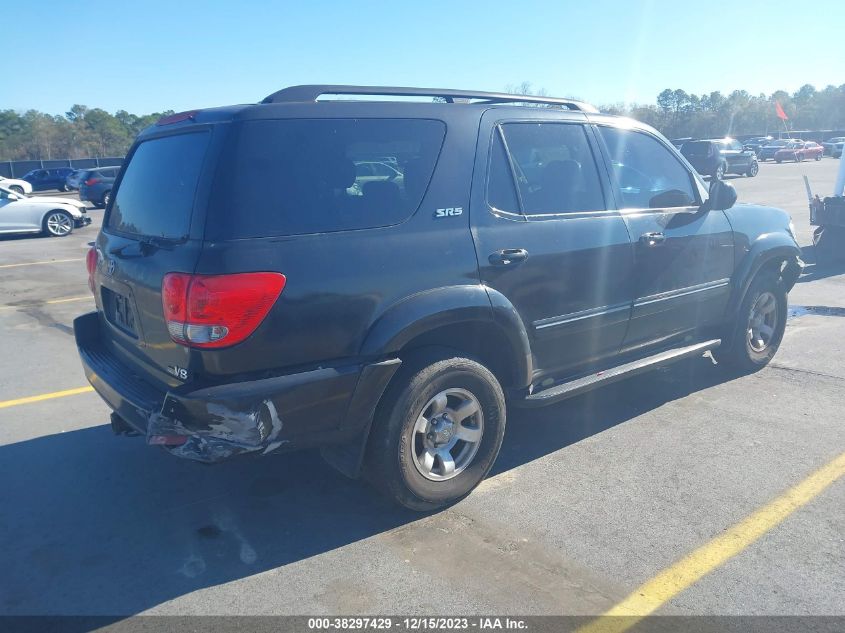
(91, 265)
(91, 181)
(211, 311)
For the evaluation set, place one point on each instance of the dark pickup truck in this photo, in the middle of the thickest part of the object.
(278, 299)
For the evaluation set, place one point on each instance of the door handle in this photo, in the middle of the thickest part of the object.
(652, 239)
(508, 256)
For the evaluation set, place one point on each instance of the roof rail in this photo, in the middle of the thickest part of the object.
(312, 92)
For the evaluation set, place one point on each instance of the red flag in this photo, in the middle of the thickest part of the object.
(781, 114)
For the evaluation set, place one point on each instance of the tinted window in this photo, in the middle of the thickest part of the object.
(647, 173)
(696, 149)
(289, 177)
(156, 194)
(555, 168)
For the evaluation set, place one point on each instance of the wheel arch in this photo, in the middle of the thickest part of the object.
(775, 252)
(472, 319)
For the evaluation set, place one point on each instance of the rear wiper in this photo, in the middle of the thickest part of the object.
(148, 245)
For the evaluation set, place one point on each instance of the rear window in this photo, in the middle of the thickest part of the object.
(156, 194)
(297, 176)
(695, 149)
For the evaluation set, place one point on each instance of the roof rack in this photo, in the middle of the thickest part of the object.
(313, 92)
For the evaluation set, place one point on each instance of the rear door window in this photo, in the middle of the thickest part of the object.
(156, 194)
(554, 167)
(298, 176)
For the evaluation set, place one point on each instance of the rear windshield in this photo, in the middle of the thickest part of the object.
(297, 176)
(695, 149)
(156, 194)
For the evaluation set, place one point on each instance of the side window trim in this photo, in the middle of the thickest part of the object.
(512, 168)
(605, 150)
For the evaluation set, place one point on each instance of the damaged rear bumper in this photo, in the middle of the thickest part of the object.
(319, 407)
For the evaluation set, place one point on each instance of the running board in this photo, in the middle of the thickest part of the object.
(591, 381)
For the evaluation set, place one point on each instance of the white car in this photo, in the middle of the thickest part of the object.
(57, 217)
(16, 185)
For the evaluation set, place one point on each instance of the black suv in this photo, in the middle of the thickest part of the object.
(717, 157)
(522, 255)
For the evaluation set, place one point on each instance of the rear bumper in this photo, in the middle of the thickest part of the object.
(319, 407)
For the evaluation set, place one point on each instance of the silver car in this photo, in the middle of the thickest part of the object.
(57, 217)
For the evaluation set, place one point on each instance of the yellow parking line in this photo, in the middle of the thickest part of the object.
(69, 299)
(51, 261)
(649, 597)
(45, 396)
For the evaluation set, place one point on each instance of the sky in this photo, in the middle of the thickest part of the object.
(148, 56)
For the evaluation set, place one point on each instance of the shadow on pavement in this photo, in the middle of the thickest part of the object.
(99, 525)
(821, 264)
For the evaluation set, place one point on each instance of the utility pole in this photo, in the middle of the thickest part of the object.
(839, 189)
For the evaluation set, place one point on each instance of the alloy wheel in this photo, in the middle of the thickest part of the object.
(762, 322)
(59, 224)
(447, 434)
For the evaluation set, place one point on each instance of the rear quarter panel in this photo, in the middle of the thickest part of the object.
(340, 283)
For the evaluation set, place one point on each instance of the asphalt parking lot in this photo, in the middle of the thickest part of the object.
(589, 500)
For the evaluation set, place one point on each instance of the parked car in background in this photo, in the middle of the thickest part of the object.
(375, 171)
(96, 185)
(44, 179)
(798, 152)
(767, 152)
(678, 142)
(833, 146)
(717, 157)
(74, 179)
(16, 185)
(756, 142)
(57, 217)
(233, 317)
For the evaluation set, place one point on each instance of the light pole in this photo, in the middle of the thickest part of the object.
(839, 189)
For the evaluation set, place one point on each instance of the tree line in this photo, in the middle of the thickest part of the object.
(81, 132)
(84, 132)
(680, 114)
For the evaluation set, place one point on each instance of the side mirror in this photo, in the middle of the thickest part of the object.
(722, 196)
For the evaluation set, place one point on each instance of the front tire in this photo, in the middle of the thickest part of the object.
(753, 170)
(17, 189)
(759, 328)
(720, 172)
(106, 198)
(818, 156)
(436, 432)
(58, 224)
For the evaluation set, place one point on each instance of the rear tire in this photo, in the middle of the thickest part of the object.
(799, 158)
(418, 423)
(105, 200)
(759, 328)
(818, 156)
(719, 173)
